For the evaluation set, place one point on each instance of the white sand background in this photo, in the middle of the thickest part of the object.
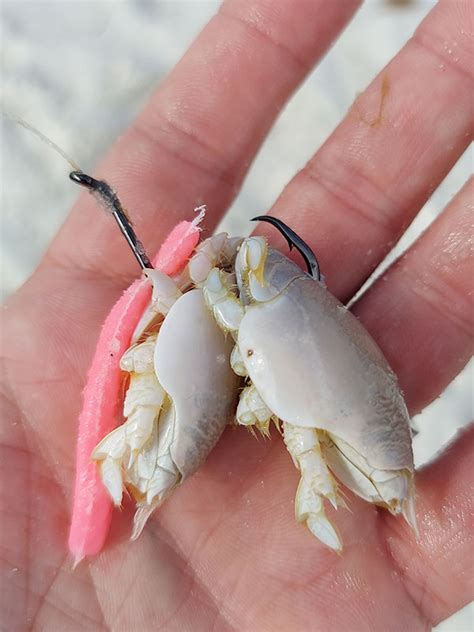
(80, 71)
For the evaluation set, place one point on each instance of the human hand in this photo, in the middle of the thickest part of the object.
(225, 552)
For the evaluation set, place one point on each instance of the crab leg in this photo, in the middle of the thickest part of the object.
(142, 405)
(92, 505)
(218, 249)
(252, 411)
(316, 482)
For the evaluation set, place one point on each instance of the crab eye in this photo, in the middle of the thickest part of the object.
(255, 253)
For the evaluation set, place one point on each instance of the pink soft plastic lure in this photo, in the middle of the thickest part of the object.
(92, 508)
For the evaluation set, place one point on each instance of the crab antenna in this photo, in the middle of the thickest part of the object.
(294, 240)
(108, 198)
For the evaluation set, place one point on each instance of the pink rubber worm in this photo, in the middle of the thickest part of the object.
(92, 506)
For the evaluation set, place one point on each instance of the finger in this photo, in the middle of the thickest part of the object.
(420, 310)
(356, 196)
(437, 568)
(196, 138)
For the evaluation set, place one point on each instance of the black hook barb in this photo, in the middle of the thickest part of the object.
(110, 200)
(294, 240)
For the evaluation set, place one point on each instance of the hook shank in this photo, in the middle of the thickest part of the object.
(107, 196)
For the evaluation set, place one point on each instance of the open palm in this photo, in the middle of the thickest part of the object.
(225, 552)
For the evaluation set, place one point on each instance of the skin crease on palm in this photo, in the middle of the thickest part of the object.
(225, 552)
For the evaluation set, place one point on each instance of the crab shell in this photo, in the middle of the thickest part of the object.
(192, 364)
(315, 365)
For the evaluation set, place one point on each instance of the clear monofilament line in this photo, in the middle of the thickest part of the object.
(43, 138)
(103, 191)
